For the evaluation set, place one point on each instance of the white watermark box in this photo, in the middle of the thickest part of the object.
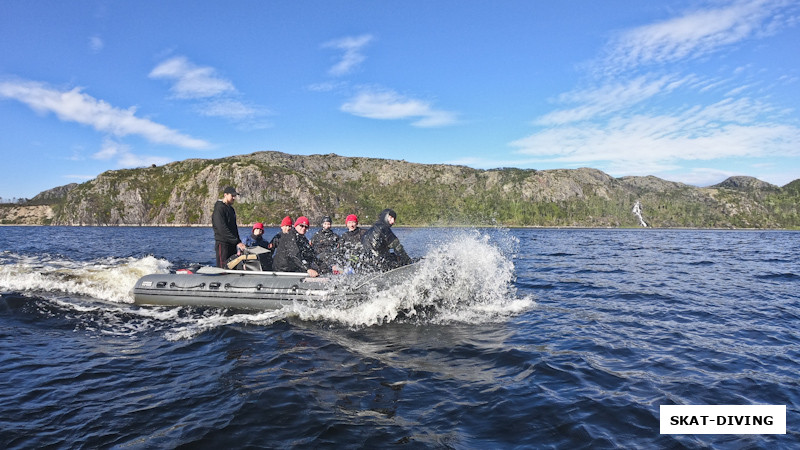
(723, 419)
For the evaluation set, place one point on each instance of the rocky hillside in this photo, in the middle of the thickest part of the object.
(276, 184)
(26, 215)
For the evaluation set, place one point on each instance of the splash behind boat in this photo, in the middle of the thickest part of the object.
(215, 287)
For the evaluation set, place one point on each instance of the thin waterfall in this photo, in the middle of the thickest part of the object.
(637, 211)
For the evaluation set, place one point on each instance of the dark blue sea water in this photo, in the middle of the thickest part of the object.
(545, 338)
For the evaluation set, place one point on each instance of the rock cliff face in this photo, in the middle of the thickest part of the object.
(52, 195)
(26, 215)
(275, 184)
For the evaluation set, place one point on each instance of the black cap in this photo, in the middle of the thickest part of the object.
(230, 190)
(327, 219)
(384, 215)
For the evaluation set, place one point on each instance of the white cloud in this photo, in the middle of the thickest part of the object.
(109, 150)
(75, 106)
(383, 104)
(648, 109)
(96, 44)
(701, 176)
(695, 34)
(213, 96)
(352, 56)
(191, 81)
(124, 156)
(228, 108)
(729, 128)
(389, 105)
(79, 177)
(327, 86)
(131, 160)
(610, 98)
(707, 176)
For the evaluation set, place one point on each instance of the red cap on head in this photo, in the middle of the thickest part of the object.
(302, 220)
(286, 222)
(258, 225)
(351, 218)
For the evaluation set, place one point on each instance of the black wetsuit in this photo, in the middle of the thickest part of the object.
(350, 246)
(325, 244)
(294, 254)
(273, 244)
(383, 250)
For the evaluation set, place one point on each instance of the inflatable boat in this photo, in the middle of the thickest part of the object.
(225, 288)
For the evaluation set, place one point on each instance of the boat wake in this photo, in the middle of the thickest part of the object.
(467, 278)
(108, 279)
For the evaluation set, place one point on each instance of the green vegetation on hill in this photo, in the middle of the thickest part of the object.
(276, 184)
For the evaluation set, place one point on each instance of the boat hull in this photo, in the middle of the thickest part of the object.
(254, 289)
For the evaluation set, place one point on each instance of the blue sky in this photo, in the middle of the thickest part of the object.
(690, 91)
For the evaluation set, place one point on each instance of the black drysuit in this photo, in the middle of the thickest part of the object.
(294, 254)
(382, 248)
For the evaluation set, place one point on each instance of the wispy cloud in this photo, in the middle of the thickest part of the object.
(705, 176)
(377, 102)
(110, 150)
(212, 95)
(96, 44)
(327, 86)
(246, 117)
(133, 160)
(647, 109)
(694, 34)
(79, 177)
(231, 109)
(389, 105)
(125, 157)
(76, 106)
(729, 128)
(352, 55)
(191, 81)
(610, 98)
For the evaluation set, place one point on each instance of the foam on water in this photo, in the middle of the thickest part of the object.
(217, 318)
(108, 279)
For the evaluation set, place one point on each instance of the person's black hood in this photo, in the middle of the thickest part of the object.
(383, 217)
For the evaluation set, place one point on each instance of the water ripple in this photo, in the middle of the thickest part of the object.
(617, 322)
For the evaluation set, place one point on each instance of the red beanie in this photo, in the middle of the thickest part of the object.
(286, 222)
(351, 218)
(258, 225)
(302, 220)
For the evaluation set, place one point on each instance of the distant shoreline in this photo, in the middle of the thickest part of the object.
(525, 227)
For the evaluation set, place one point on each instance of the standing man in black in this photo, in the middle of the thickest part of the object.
(226, 233)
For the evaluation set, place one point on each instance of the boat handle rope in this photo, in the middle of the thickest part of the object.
(257, 287)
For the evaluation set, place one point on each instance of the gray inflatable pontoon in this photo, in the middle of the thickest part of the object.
(211, 286)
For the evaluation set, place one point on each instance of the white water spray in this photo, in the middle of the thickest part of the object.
(108, 279)
(466, 278)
